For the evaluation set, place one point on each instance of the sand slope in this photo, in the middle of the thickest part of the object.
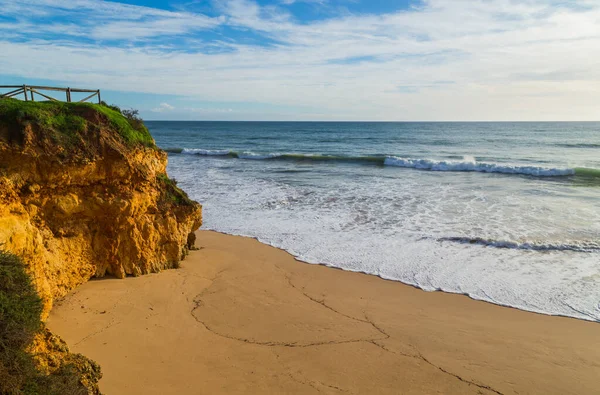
(243, 317)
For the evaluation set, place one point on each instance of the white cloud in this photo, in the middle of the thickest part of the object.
(163, 107)
(501, 59)
(103, 19)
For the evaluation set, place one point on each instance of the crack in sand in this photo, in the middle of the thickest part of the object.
(198, 303)
(311, 383)
(387, 336)
(482, 386)
(314, 384)
(113, 323)
(384, 348)
(322, 303)
(421, 357)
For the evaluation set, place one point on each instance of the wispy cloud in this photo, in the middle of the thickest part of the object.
(496, 53)
(163, 107)
(102, 20)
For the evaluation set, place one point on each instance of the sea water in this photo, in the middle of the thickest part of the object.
(508, 213)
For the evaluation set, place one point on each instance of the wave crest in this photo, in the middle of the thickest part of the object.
(582, 246)
(255, 156)
(470, 165)
(205, 152)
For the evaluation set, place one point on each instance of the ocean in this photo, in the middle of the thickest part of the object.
(508, 213)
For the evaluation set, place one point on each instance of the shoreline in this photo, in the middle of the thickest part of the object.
(332, 266)
(240, 316)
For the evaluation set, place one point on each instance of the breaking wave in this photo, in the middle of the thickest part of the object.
(581, 246)
(468, 164)
(474, 166)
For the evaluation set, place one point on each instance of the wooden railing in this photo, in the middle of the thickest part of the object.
(29, 90)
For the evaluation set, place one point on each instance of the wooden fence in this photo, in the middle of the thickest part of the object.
(29, 90)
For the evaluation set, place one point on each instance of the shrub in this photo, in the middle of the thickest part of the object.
(20, 305)
(129, 124)
(20, 320)
(171, 193)
(134, 118)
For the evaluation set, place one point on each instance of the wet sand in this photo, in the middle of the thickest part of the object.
(241, 317)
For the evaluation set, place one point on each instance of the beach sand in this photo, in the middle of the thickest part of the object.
(242, 317)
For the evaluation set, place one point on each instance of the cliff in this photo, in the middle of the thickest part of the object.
(84, 193)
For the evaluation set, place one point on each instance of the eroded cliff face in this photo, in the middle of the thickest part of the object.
(84, 193)
(86, 203)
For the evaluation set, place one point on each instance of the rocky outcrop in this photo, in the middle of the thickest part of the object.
(52, 357)
(84, 193)
(91, 206)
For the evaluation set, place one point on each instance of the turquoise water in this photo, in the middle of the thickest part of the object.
(503, 212)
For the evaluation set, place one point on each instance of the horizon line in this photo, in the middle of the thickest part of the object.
(359, 121)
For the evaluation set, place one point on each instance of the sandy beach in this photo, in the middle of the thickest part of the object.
(243, 317)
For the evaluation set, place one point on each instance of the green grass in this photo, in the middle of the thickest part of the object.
(20, 320)
(172, 193)
(62, 125)
(20, 306)
(65, 122)
(132, 130)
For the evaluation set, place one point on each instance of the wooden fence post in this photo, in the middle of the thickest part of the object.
(35, 89)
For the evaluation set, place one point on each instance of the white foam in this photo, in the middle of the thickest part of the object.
(389, 225)
(253, 155)
(469, 164)
(205, 152)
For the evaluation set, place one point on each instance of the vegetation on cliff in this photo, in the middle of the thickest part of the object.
(171, 193)
(20, 323)
(83, 193)
(65, 123)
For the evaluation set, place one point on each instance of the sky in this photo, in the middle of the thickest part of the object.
(372, 60)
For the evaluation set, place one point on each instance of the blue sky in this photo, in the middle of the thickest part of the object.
(314, 59)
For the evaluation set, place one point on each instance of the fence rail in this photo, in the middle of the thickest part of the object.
(29, 90)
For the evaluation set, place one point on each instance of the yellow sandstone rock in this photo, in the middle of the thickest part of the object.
(84, 193)
(100, 207)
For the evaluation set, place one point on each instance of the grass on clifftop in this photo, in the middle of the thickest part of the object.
(128, 124)
(66, 121)
(20, 320)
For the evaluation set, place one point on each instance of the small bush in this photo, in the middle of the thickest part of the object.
(134, 118)
(171, 193)
(20, 305)
(20, 320)
(129, 124)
